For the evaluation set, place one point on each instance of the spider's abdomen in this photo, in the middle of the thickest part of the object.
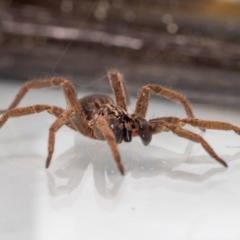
(92, 103)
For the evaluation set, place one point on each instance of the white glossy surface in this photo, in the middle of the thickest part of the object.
(172, 188)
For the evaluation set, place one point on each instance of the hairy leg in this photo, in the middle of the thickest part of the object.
(195, 122)
(198, 139)
(103, 132)
(57, 111)
(162, 124)
(62, 120)
(40, 84)
(119, 88)
(216, 125)
(24, 111)
(144, 94)
(69, 93)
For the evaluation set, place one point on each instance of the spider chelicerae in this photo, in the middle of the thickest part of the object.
(99, 117)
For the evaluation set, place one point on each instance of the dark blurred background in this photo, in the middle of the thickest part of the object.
(191, 46)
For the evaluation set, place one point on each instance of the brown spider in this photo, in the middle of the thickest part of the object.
(98, 117)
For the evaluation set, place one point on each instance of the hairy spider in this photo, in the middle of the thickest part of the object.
(99, 117)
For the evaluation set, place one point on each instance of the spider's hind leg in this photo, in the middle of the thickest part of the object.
(24, 111)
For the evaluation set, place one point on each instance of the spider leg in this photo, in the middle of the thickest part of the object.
(173, 120)
(38, 84)
(103, 132)
(69, 93)
(24, 111)
(62, 120)
(159, 125)
(144, 94)
(67, 87)
(216, 125)
(119, 88)
(57, 111)
(195, 122)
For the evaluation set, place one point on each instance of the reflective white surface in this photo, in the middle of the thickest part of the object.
(172, 189)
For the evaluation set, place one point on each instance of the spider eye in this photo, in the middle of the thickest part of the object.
(145, 132)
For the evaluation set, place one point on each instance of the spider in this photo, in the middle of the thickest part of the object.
(99, 117)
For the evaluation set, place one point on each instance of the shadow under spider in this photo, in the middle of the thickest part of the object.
(153, 162)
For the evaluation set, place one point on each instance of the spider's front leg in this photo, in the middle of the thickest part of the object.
(103, 132)
(144, 94)
(215, 125)
(119, 88)
(173, 124)
(195, 122)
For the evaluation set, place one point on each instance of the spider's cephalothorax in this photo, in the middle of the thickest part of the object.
(99, 117)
